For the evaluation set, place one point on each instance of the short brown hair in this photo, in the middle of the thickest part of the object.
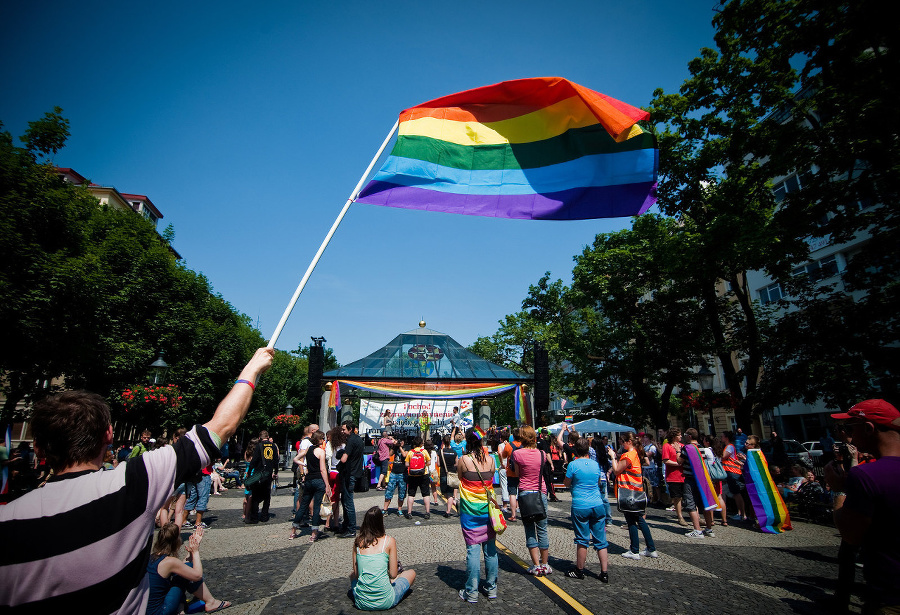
(70, 428)
(672, 434)
(528, 436)
(692, 434)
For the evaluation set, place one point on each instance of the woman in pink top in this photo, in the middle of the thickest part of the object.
(528, 460)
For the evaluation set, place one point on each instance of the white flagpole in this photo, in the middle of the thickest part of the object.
(315, 261)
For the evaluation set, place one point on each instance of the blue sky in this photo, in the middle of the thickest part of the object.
(249, 124)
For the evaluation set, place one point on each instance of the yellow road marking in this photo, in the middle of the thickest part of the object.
(556, 589)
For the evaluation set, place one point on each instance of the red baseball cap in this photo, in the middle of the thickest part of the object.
(875, 411)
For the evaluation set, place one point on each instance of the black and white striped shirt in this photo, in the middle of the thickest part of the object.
(83, 540)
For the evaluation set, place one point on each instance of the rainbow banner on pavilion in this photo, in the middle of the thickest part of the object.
(531, 149)
(771, 511)
(334, 399)
(701, 474)
(430, 390)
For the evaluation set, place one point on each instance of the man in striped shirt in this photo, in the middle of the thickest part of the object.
(83, 540)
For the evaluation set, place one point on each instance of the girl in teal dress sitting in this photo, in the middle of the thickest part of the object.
(375, 564)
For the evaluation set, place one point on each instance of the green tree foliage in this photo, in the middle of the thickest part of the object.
(42, 234)
(91, 293)
(641, 327)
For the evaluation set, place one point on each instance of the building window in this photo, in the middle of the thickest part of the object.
(770, 293)
(732, 422)
(790, 184)
(820, 269)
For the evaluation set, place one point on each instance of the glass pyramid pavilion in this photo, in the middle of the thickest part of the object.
(425, 354)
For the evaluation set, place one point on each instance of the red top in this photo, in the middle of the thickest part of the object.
(673, 473)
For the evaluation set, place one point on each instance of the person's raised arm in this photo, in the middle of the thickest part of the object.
(559, 436)
(233, 408)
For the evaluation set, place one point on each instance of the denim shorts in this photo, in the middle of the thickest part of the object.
(588, 522)
(536, 531)
(400, 585)
(198, 494)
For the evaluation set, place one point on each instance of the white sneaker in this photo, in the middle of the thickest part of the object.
(647, 553)
(694, 534)
(631, 555)
(547, 569)
(536, 570)
(709, 533)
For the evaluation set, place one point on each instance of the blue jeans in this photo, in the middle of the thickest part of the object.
(348, 485)
(636, 520)
(313, 491)
(396, 480)
(536, 531)
(473, 566)
(588, 523)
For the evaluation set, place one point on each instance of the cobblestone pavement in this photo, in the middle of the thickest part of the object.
(741, 570)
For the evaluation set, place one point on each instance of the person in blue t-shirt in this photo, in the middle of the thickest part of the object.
(583, 477)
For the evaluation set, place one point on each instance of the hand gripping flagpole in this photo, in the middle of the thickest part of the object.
(315, 261)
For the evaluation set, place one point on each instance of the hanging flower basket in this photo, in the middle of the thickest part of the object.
(151, 397)
(286, 422)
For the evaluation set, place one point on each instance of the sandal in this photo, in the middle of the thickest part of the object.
(292, 536)
(223, 604)
(313, 537)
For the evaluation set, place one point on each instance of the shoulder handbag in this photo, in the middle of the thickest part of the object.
(254, 478)
(498, 521)
(452, 477)
(531, 504)
(716, 470)
(631, 501)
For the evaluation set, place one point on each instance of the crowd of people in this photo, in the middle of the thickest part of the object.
(510, 473)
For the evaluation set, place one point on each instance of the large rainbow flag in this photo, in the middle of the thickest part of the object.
(533, 149)
(474, 514)
(701, 474)
(771, 511)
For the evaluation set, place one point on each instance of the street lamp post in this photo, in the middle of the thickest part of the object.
(705, 378)
(156, 375)
(289, 410)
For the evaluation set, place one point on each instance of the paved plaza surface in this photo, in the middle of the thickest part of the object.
(741, 570)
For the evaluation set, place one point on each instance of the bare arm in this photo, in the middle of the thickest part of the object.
(324, 470)
(233, 408)
(391, 548)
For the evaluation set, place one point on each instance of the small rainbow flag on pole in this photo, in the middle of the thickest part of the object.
(771, 511)
(532, 149)
(523, 407)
